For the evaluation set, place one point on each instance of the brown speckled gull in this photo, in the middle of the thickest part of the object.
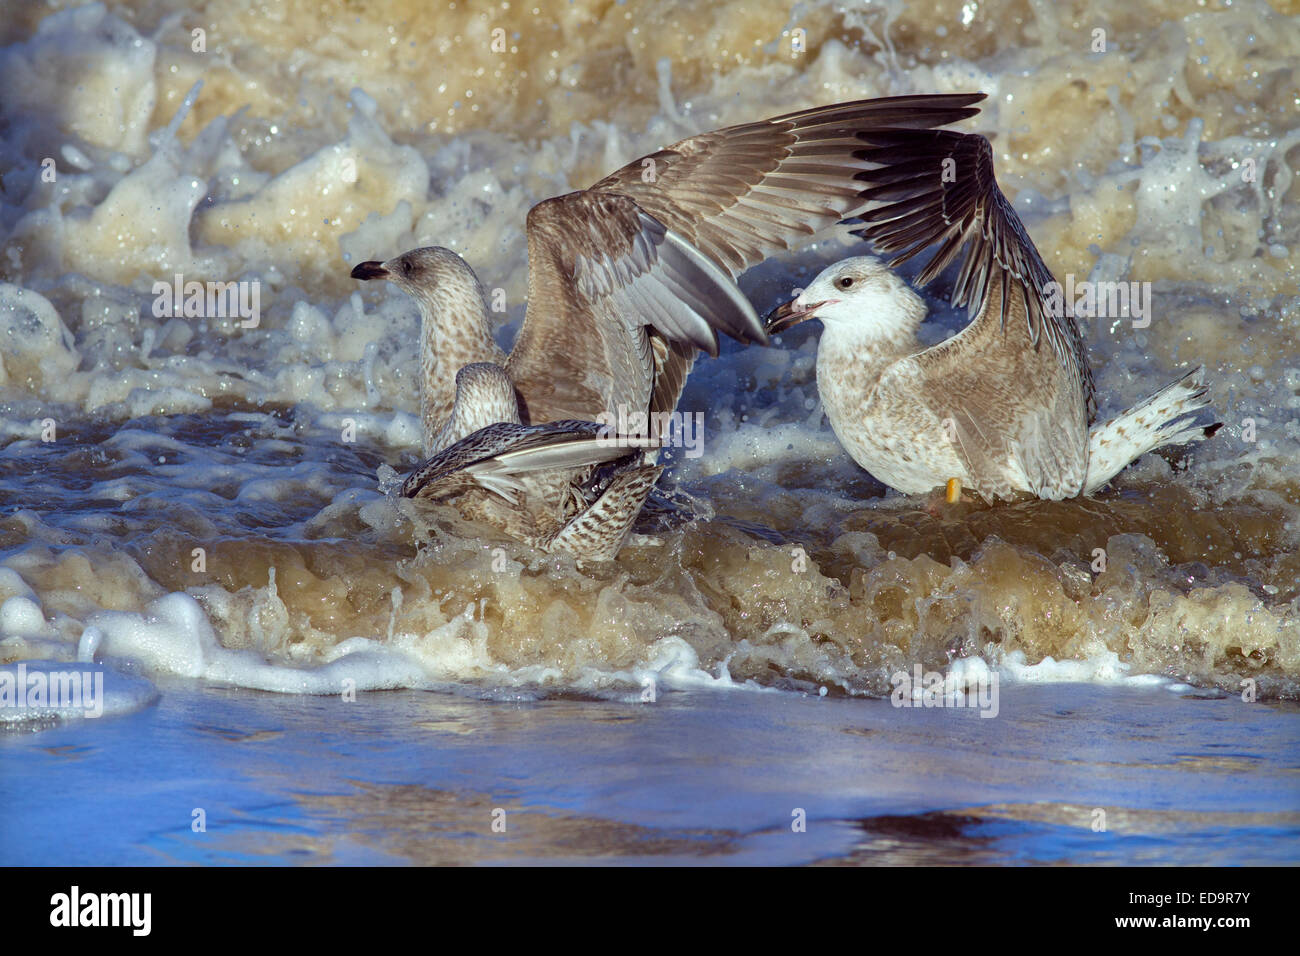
(560, 486)
(1006, 406)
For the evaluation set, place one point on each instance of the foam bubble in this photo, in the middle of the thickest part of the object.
(22, 615)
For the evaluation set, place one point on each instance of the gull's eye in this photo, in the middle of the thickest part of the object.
(406, 266)
(846, 282)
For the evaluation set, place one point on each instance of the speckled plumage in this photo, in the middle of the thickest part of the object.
(630, 278)
(1006, 405)
(559, 486)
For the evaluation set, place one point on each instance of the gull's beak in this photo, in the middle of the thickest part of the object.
(789, 314)
(370, 270)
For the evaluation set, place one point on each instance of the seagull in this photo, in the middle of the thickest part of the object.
(565, 486)
(630, 278)
(1007, 407)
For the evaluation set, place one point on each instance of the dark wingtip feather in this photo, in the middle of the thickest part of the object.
(920, 207)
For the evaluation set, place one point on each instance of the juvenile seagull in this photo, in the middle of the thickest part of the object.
(562, 486)
(990, 409)
(628, 279)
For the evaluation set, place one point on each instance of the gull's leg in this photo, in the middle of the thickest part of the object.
(939, 503)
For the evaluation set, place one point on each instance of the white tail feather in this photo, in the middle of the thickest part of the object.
(1150, 424)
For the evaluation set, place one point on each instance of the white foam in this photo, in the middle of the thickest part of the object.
(671, 664)
(23, 616)
(12, 584)
(1100, 667)
(36, 343)
(174, 636)
(294, 207)
(90, 69)
(91, 639)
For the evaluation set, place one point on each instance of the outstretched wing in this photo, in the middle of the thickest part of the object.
(657, 245)
(938, 186)
(742, 193)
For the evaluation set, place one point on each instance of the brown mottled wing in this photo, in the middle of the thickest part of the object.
(602, 275)
(743, 193)
(1016, 415)
(493, 457)
(673, 361)
(659, 244)
(939, 186)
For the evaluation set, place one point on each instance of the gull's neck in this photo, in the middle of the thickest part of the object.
(852, 356)
(454, 332)
(484, 395)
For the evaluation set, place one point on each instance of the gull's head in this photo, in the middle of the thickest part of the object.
(487, 387)
(859, 294)
(428, 273)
